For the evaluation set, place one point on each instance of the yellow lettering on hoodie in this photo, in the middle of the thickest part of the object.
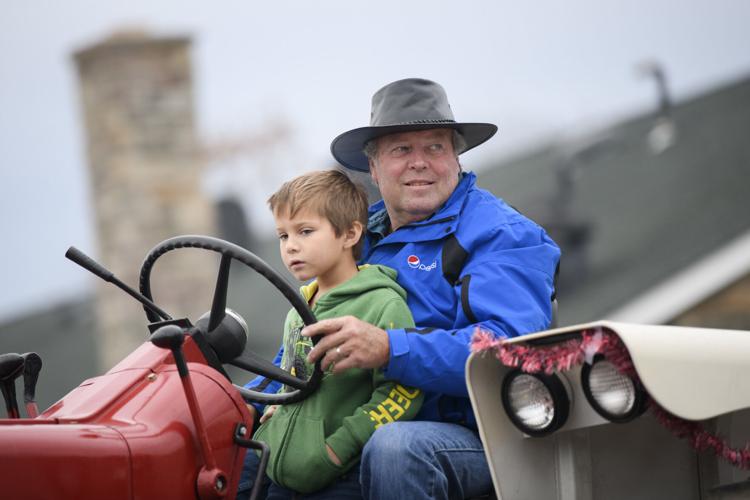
(381, 416)
(393, 407)
(403, 390)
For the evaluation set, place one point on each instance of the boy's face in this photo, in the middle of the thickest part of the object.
(310, 248)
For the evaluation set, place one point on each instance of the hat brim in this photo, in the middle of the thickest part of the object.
(347, 147)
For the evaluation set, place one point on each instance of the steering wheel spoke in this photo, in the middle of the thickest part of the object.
(260, 366)
(219, 305)
(219, 316)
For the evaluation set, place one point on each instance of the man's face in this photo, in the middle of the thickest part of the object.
(415, 172)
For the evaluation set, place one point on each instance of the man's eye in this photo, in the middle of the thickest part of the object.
(400, 150)
(436, 148)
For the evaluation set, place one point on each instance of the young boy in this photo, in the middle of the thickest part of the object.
(320, 218)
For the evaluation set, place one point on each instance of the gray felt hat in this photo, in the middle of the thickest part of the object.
(404, 106)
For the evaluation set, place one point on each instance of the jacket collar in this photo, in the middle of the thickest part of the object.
(378, 224)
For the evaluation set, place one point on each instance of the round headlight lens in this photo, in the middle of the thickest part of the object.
(614, 392)
(613, 395)
(531, 401)
(536, 403)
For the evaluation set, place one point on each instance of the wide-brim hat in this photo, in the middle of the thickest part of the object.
(405, 106)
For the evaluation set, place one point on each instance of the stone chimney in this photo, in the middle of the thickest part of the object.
(137, 100)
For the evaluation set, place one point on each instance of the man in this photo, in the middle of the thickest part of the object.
(466, 259)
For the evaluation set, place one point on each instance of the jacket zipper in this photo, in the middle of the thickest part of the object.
(380, 241)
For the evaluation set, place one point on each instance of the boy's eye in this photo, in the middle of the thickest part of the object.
(305, 231)
(282, 236)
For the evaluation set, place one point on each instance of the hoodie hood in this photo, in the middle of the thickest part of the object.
(369, 278)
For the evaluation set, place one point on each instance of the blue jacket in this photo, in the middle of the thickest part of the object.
(475, 262)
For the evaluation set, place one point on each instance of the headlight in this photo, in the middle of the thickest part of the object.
(537, 404)
(613, 395)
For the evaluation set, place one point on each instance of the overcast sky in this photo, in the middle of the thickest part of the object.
(537, 69)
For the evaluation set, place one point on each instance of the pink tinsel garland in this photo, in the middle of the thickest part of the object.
(565, 355)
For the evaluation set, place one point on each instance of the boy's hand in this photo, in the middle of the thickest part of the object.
(333, 456)
(349, 343)
(270, 410)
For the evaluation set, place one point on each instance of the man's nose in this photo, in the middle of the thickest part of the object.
(417, 160)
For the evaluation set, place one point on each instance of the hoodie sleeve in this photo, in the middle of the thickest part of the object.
(390, 400)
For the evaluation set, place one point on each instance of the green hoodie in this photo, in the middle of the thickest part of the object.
(347, 407)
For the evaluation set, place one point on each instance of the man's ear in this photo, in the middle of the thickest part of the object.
(373, 174)
(352, 235)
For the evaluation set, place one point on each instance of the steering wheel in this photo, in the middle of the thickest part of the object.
(225, 331)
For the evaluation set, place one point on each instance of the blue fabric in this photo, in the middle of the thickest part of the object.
(346, 487)
(506, 283)
(505, 287)
(424, 460)
(511, 264)
(272, 387)
(248, 475)
(415, 460)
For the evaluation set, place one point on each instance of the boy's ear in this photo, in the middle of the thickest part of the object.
(352, 235)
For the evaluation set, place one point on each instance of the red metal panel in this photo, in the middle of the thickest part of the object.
(63, 461)
(86, 402)
(127, 434)
(163, 439)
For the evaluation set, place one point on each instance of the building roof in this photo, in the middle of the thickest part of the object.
(64, 336)
(630, 218)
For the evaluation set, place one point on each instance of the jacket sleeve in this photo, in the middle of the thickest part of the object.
(506, 288)
(390, 400)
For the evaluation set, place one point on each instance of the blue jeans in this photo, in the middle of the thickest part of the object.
(424, 460)
(344, 488)
(414, 460)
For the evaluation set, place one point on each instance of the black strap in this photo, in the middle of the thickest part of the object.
(420, 331)
(554, 282)
(465, 299)
(453, 259)
(262, 386)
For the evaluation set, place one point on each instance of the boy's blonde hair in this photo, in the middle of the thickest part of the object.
(331, 194)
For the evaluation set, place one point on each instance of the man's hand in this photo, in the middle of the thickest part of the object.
(348, 342)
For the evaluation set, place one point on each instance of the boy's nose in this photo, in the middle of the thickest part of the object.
(291, 246)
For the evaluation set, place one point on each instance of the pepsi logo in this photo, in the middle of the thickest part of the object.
(415, 263)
